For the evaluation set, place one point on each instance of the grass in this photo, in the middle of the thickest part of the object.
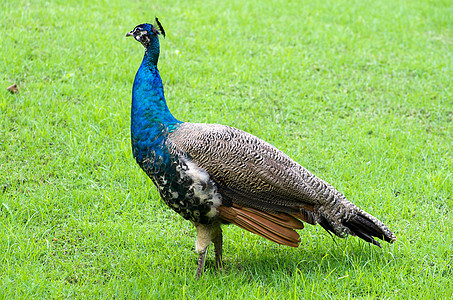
(359, 92)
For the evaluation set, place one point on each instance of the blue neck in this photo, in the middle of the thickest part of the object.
(151, 119)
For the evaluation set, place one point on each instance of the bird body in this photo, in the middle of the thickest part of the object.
(212, 174)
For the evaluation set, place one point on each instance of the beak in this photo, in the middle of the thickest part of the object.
(129, 34)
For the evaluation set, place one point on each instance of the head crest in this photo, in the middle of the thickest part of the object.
(160, 28)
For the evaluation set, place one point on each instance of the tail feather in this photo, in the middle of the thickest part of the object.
(280, 227)
(361, 233)
(327, 226)
(367, 227)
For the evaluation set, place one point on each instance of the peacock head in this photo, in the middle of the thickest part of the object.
(147, 34)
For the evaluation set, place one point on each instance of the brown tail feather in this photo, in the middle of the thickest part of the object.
(278, 228)
(305, 215)
(282, 219)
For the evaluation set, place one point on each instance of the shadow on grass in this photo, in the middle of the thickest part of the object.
(311, 261)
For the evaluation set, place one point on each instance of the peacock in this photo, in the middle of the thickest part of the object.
(214, 174)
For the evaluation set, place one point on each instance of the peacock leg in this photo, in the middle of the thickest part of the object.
(201, 260)
(218, 248)
(205, 234)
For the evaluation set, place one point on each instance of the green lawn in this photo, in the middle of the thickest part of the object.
(359, 92)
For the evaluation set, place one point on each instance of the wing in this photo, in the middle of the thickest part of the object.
(248, 171)
(264, 191)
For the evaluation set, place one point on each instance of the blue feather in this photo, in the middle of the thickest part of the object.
(151, 120)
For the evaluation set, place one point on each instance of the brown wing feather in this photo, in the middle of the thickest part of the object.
(253, 176)
(278, 228)
(247, 170)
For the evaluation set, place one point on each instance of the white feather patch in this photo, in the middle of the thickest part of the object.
(201, 179)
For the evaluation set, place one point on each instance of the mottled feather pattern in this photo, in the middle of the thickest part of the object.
(183, 186)
(251, 172)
